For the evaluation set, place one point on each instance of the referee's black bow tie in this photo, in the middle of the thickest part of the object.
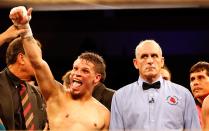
(147, 86)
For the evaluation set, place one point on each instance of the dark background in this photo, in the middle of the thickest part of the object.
(183, 34)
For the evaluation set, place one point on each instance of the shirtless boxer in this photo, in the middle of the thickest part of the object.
(74, 111)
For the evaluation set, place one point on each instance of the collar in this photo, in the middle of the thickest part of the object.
(14, 79)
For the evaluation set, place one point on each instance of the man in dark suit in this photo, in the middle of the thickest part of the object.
(19, 70)
(103, 94)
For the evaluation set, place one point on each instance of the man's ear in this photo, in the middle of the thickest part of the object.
(163, 62)
(135, 63)
(98, 78)
(20, 58)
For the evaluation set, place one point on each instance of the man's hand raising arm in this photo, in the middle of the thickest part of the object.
(21, 17)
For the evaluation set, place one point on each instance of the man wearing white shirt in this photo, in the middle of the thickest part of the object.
(152, 103)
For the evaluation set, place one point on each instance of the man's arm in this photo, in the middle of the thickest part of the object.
(116, 121)
(107, 119)
(11, 33)
(43, 73)
(205, 114)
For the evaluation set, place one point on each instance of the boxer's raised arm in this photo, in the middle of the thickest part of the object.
(21, 17)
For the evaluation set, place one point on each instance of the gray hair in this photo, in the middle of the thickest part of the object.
(147, 41)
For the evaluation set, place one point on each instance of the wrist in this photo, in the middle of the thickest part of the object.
(28, 32)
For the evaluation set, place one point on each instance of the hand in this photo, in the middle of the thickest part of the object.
(11, 33)
(20, 16)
